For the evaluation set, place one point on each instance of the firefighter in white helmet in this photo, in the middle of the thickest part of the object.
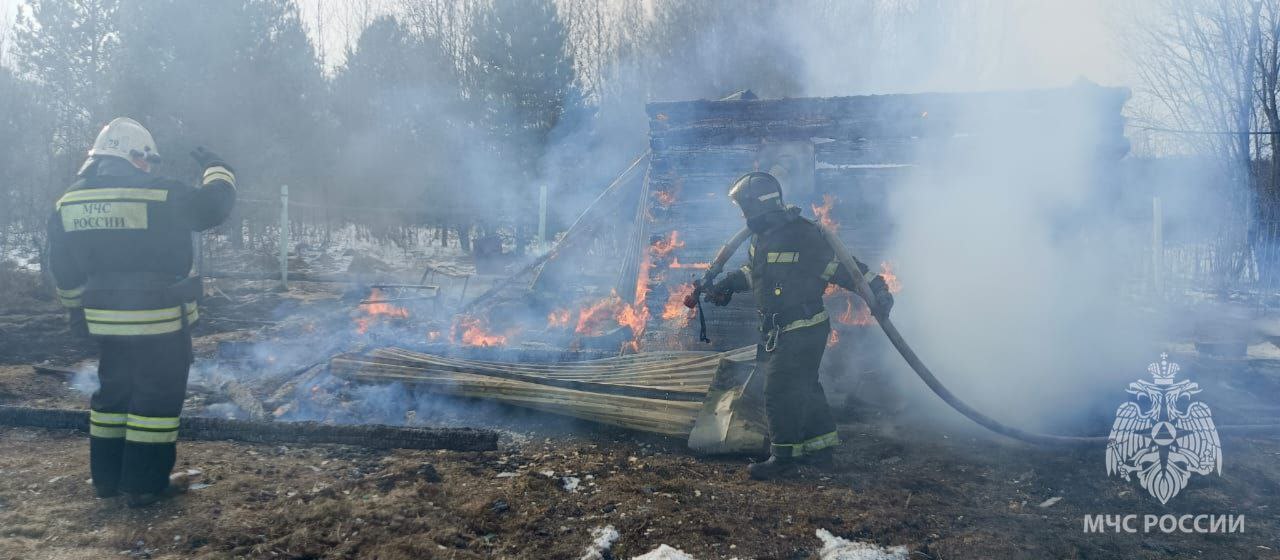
(120, 254)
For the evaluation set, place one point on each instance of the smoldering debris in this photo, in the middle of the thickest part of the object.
(306, 433)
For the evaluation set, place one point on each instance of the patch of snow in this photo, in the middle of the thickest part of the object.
(408, 250)
(602, 539)
(836, 548)
(22, 249)
(1263, 351)
(1049, 502)
(570, 483)
(664, 552)
(507, 474)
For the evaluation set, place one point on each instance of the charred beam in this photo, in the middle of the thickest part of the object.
(375, 436)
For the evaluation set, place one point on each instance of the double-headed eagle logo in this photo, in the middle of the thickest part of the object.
(1162, 436)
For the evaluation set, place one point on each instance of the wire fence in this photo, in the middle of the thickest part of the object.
(1244, 267)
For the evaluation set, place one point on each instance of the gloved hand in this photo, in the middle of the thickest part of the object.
(206, 158)
(884, 300)
(719, 294)
(79, 327)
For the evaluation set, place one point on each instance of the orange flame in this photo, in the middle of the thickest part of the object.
(823, 212)
(594, 318)
(373, 311)
(665, 198)
(863, 318)
(559, 318)
(890, 279)
(433, 336)
(674, 310)
(591, 319)
(635, 318)
(474, 332)
(664, 246)
(855, 313)
(636, 315)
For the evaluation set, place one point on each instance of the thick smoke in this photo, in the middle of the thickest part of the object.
(1017, 275)
(1016, 257)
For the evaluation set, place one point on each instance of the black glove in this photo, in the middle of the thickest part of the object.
(75, 320)
(884, 300)
(206, 158)
(719, 294)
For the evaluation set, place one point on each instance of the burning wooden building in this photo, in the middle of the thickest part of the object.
(619, 274)
(615, 282)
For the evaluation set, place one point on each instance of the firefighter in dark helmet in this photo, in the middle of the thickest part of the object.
(790, 263)
(120, 254)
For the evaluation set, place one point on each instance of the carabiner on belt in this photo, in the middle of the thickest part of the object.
(771, 339)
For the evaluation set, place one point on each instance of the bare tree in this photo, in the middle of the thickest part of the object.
(1202, 66)
(1193, 60)
(1267, 49)
(4, 37)
(441, 22)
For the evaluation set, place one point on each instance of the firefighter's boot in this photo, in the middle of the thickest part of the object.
(822, 459)
(775, 467)
(178, 485)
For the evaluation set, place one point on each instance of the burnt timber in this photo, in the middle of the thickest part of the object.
(374, 436)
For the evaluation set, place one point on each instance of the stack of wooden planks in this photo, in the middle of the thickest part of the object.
(658, 392)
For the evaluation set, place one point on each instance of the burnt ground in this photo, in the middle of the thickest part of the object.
(947, 491)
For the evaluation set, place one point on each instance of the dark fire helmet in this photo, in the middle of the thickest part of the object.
(756, 194)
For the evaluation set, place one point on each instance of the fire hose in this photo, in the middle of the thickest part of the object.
(863, 289)
(717, 265)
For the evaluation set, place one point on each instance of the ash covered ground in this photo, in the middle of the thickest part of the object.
(555, 486)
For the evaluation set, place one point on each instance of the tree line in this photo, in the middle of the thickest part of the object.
(444, 113)
(453, 113)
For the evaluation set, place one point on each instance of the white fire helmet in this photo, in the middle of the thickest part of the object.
(125, 138)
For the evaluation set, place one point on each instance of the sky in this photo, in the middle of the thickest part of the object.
(336, 23)
(1041, 42)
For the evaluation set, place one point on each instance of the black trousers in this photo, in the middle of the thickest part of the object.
(133, 419)
(796, 406)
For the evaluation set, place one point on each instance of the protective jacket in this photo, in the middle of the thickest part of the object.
(120, 246)
(789, 266)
